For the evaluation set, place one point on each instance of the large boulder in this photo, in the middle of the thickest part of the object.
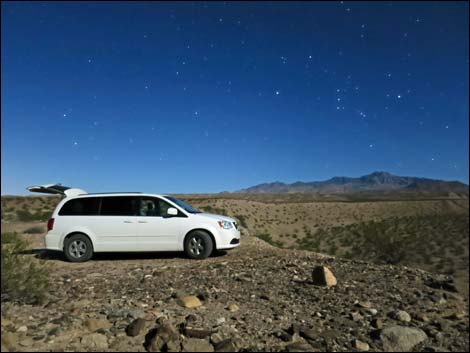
(401, 339)
(135, 327)
(189, 302)
(322, 276)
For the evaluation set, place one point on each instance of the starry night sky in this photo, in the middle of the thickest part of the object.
(206, 97)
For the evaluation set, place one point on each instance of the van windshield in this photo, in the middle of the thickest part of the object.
(183, 205)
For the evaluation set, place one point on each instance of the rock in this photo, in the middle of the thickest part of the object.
(400, 315)
(233, 308)
(322, 276)
(421, 317)
(95, 341)
(364, 305)
(216, 338)
(401, 339)
(197, 333)
(9, 340)
(97, 324)
(299, 347)
(189, 302)
(377, 323)
(372, 312)
(281, 334)
(135, 327)
(355, 316)
(308, 333)
(27, 342)
(22, 328)
(225, 346)
(220, 321)
(445, 284)
(136, 314)
(361, 346)
(265, 297)
(197, 345)
(161, 338)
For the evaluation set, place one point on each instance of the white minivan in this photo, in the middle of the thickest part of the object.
(84, 223)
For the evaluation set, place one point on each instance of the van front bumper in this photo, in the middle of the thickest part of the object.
(228, 239)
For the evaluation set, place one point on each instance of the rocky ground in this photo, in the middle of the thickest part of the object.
(255, 298)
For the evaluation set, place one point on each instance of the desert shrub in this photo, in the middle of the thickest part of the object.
(34, 230)
(268, 239)
(24, 279)
(242, 220)
(26, 216)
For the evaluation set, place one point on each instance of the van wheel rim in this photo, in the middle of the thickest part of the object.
(77, 249)
(196, 246)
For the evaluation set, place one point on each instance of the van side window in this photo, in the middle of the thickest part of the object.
(85, 206)
(153, 207)
(119, 206)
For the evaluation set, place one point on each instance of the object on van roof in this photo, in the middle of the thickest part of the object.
(56, 189)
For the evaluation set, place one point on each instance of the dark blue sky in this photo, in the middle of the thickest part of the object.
(205, 97)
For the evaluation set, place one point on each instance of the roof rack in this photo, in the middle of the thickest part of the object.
(114, 192)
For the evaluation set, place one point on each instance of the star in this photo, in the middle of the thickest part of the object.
(309, 56)
(75, 143)
(371, 145)
(277, 93)
(65, 115)
(399, 96)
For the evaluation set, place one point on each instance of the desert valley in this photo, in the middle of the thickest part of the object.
(400, 259)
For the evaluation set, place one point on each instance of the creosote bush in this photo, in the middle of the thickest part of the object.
(24, 279)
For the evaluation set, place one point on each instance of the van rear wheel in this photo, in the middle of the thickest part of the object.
(198, 245)
(78, 248)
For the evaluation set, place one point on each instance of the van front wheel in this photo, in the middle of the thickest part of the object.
(198, 245)
(78, 248)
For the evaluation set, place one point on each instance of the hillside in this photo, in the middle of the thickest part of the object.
(255, 298)
(428, 234)
(374, 182)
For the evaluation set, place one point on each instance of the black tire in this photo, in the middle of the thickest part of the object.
(198, 245)
(78, 248)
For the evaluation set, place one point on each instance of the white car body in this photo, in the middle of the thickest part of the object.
(135, 233)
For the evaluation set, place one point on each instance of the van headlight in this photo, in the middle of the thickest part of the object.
(225, 224)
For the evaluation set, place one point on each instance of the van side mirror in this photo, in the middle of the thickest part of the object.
(172, 212)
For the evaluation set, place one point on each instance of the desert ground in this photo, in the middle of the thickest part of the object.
(401, 270)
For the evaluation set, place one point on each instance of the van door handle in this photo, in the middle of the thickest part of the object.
(143, 222)
(128, 222)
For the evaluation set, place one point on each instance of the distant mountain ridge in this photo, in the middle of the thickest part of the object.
(376, 181)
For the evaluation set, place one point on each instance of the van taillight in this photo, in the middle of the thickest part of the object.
(50, 224)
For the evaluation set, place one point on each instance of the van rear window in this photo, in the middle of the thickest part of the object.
(86, 206)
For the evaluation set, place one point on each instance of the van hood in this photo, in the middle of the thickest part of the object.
(215, 216)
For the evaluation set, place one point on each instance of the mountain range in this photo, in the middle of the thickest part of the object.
(377, 181)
